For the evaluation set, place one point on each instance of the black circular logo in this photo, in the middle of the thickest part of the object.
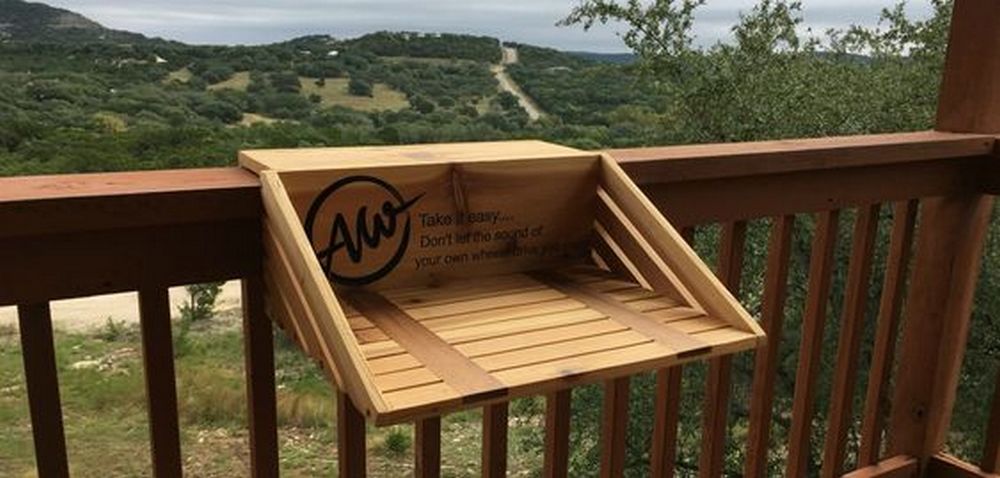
(356, 237)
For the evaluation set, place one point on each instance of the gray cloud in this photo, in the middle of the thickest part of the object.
(529, 21)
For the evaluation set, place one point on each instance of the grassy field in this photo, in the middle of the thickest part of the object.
(239, 82)
(334, 93)
(182, 75)
(101, 381)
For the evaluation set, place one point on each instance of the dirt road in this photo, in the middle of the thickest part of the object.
(508, 84)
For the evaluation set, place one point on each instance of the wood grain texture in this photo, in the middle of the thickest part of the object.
(852, 326)
(899, 466)
(686, 163)
(494, 456)
(715, 414)
(877, 405)
(462, 374)
(258, 352)
(557, 415)
(943, 465)
(614, 426)
(991, 449)
(821, 267)
(351, 441)
(42, 383)
(947, 256)
(766, 360)
(427, 448)
(161, 390)
(969, 99)
(666, 414)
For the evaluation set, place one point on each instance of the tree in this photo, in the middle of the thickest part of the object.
(359, 87)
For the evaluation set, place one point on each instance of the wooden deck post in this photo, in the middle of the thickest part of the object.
(949, 245)
(258, 350)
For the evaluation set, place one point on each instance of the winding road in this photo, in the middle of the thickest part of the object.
(509, 85)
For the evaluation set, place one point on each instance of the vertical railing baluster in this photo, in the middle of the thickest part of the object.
(495, 440)
(766, 360)
(557, 414)
(666, 409)
(161, 387)
(991, 452)
(811, 345)
(716, 412)
(351, 452)
(614, 426)
(427, 448)
(258, 351)
(42, 383)
(884, 350)
(849, 343)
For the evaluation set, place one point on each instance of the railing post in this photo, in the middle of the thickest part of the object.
(40, 377)
(949, 245)
(258, 350)
(161, 386)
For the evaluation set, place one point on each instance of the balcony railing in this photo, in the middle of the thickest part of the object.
(80, 235)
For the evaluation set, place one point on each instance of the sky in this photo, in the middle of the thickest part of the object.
(525, 21)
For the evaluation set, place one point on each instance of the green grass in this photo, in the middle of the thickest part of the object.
(106, 423)
(334, 93)
(239, 82)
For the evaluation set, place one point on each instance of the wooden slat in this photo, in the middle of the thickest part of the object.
(849, 344)
(692, 162)
(42, 383)
(258, 351)
(351, 453)
(766, 360)
(666, 414)
(161, 390)
(494, 455)
(991, 450)
(900, 466)
(716, 411)
(740, 198)
(884, 350)
(614, 426)
(69, 204)
(813, 322)
(943, 465)
(427, 448)
(455, 369)
(938, 308)
(970, 93)
(557, 414)
(619, 312)
(613, 256)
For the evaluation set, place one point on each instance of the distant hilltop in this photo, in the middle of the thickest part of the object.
(33, 22)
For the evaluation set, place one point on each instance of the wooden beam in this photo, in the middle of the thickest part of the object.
(943, 465)
(884, 350)
(899, 466)
(756, 196)
(161, 387)
(495, 440)
(970, 89)
(814, 321)
(42, 383)
(427, 448)
(258, 351)
(614, 427)
(686, 163)
(849, 343)
(351, 442)
(938, 308)
(766, 359)
(557, 415)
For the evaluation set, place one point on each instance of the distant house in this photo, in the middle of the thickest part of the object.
(332, 53)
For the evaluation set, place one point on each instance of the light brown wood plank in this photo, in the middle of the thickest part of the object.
(561, 350)
(492, 316)
(845, 376)
(814, 321)
(479, 305)
(454, 368)
(884, 349)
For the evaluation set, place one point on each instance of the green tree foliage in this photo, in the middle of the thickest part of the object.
(359, 87)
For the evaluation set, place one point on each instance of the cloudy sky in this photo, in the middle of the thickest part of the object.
(528, 21)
